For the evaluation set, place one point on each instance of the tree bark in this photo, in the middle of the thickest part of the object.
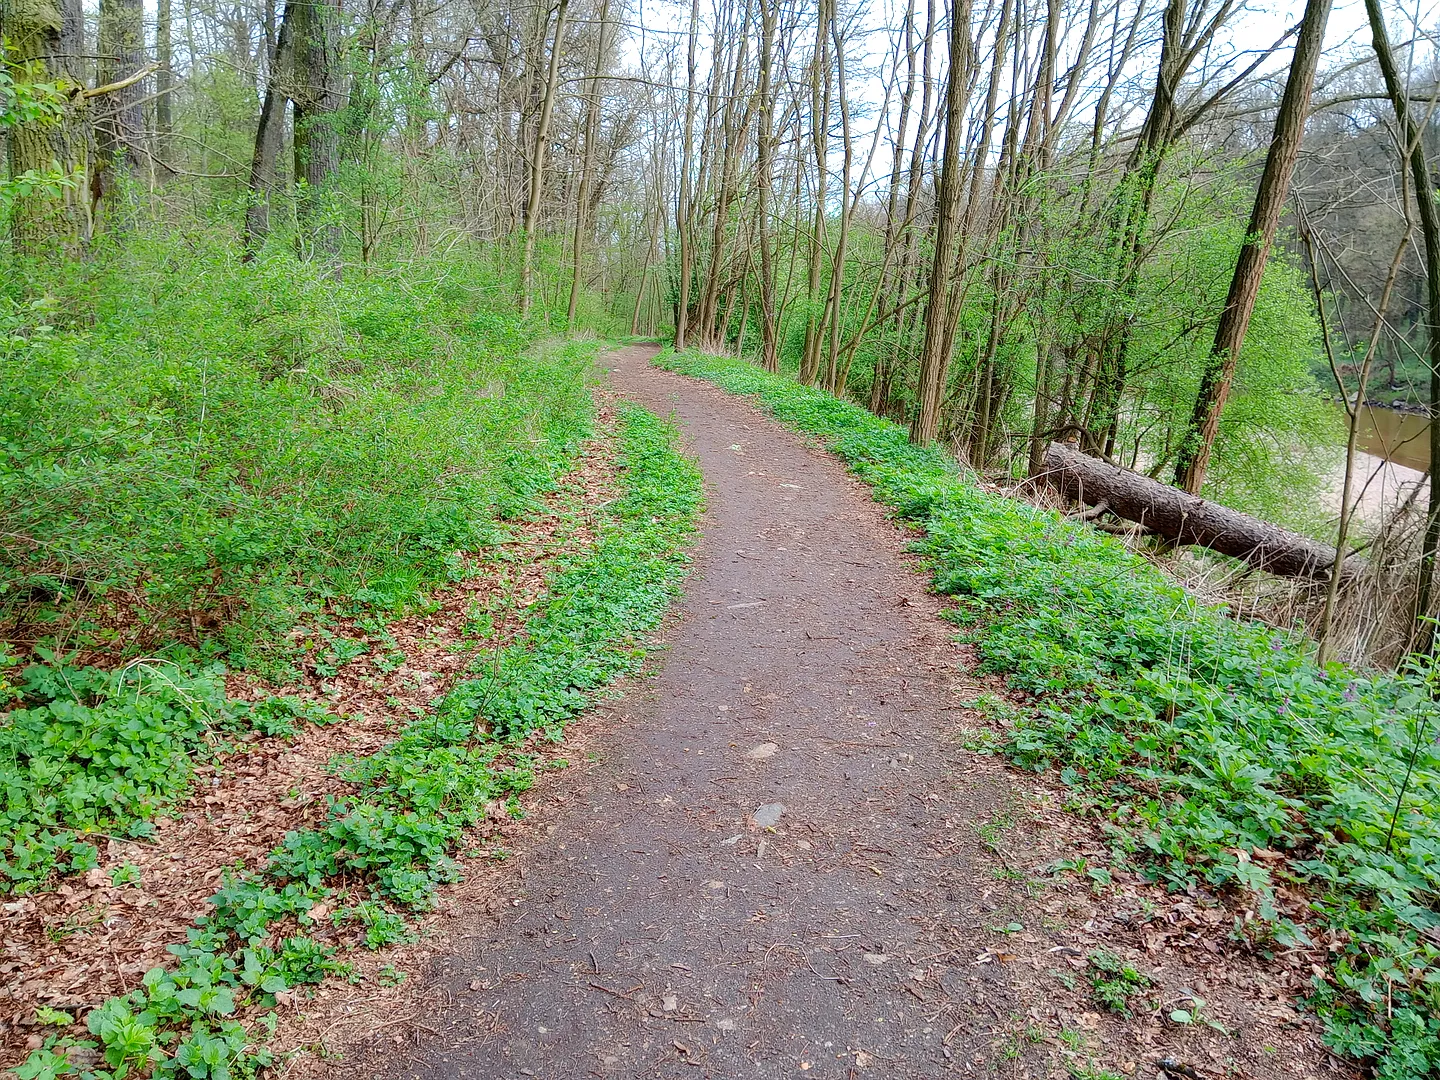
(315, 47)
(1424, 634)
(683, 209)
(1184, 518)
(820, 142)
(269, 133)
(119, 115)
(1270, 197)
(939, 323)
(537, 159)
(833, 375)
(164, 82)
(50, 34)
(764, 167)
(587, 165)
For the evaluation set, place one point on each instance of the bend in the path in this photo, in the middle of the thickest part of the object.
(663, 929)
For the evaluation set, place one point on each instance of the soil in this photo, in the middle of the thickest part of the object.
(780, 859)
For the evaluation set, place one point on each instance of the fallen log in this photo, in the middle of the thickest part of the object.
(1187, 519)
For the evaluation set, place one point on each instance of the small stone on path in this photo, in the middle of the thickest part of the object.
(768, 816)
(761, 752)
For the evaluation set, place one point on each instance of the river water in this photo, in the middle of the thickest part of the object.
(1398, 437)
(1393, 454)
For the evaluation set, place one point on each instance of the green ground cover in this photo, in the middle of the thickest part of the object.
(202, 461)
(1196, 739)
(382, 851)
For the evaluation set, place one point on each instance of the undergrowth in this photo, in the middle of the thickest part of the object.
(385, 848)
(1218, 754)
(90, 753)
(201, 452)
(206, 473)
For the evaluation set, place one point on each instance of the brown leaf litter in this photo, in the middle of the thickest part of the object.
(87, 940)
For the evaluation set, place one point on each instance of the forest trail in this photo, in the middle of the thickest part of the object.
(660, 928)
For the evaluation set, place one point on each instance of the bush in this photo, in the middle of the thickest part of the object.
(207, 462)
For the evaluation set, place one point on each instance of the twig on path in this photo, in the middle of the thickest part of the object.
(627, 995)
(806, 957)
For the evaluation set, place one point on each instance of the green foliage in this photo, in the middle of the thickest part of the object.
(195, 471)
(277, 716)
(602, 604)
(1114, 981)
(25, 99)
(398, 833)
(198, 449)
(382, 927)
(89, 751)
(1202, 740)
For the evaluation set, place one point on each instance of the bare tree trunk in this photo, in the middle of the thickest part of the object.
(764, 168)
(1250, 267)
(1185, 33)
(733, 125)
(884, 363)
(538, 150)
(269, 133)
(1183, 518)
(820, 133)
(939, 319)
(315, 48)
(683, 209)
(164, 83)
(587, 163)
(1424, 183)
(119, 115)
(842, 243)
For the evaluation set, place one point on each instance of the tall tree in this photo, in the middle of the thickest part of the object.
(1186, 32)
(317, 91)
(164, 82)
(119, 113)
(764, 190)
(1413, 146)
(269, 134)
(48, 38)
(941, 314)
(536, 188)
(1270, 197)
(587, 161)
(684, 210)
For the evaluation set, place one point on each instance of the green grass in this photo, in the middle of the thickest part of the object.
(391, 844)
(1199, 740)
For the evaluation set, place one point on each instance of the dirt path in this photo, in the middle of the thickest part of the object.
(662, 929)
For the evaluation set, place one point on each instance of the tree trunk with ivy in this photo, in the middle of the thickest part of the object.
(46, 38)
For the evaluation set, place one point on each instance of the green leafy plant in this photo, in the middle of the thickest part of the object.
(413, 799)
(1222, 756)
(1114, 981)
